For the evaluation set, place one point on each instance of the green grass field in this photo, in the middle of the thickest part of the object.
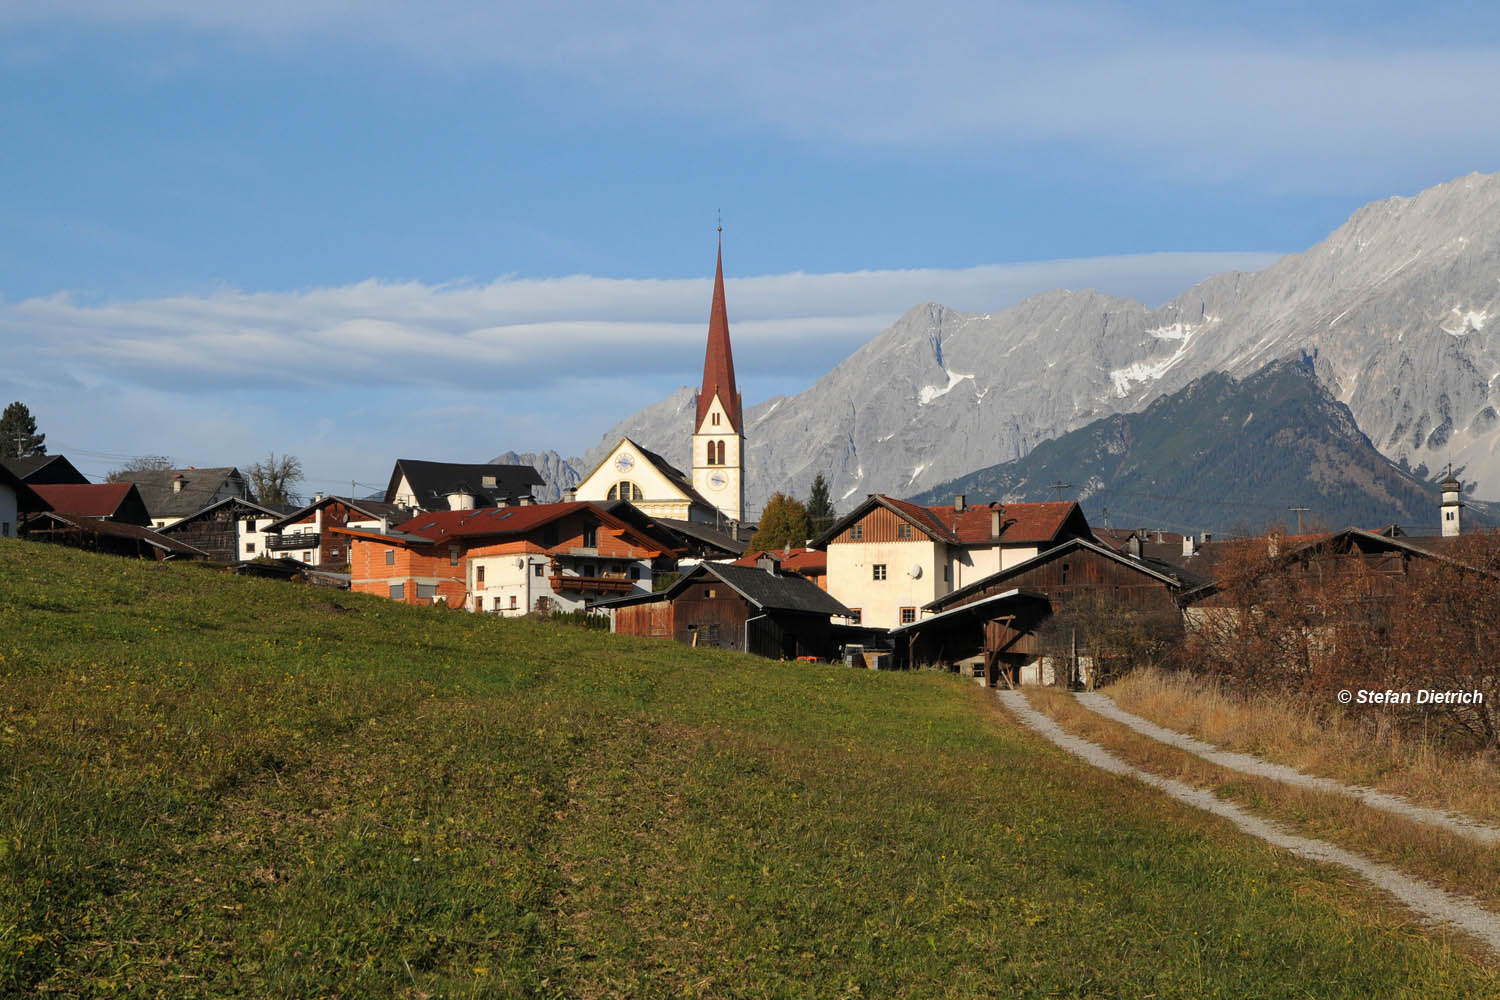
(221, 787)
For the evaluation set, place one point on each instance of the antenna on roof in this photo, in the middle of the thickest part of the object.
(1299, 511)
(1059, 486)
(719, 216)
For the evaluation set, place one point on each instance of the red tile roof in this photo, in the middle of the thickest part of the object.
(92, 500)
(484, 522)
(1020, 523)
(808, 562)
(718, 359)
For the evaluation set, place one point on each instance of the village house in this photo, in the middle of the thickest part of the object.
(1030, 622)
(305, 534)
(510, 560)
(420, 485)
(229, 530)
(887, 558)
(651, 483)
(102, 517)
(754, 609)
(16, 499)
(173, 494)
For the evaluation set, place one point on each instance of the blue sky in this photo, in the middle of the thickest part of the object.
(357, 230)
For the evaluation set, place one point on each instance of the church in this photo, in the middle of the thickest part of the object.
(716, 492)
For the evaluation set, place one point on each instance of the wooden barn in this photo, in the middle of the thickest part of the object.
(1046, 619)
(746, 608)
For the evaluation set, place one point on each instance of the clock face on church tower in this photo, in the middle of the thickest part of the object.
(718, 481)
(624, 462)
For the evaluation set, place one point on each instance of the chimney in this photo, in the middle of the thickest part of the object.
(1188, 546)
(1133, 545)
(570, 495)
(385, 525)
(525, 501)
(958, 504)
(317, 497)
(460, 499)
(997, 515)
(1208, 536)
(177, 483)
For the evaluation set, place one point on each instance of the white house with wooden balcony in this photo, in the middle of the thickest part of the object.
(511, 560)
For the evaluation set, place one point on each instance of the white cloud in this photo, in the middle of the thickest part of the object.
(528, 332)
(350, 378)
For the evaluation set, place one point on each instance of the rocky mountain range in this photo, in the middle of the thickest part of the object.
(1398, 311)
(1225, 455)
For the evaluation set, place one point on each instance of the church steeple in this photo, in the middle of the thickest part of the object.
(718, 359)
(719, 431)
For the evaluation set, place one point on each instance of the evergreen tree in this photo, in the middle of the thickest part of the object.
(18, 436)
(782, 523)
(820, 512)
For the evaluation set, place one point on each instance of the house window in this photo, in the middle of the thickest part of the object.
(716, 420)
(398, 591)
(249, 547)
(908, 615)
(1064, 572)
(426, 591)
(1448, 515)
(947, 572)
(390, 557)
(711, 453)
(536, 570)
(903, 530)
(877, 572)
(713, 633)
(710, 592)
(478, 576)
(453, 555)
(591, 538)
(857, 533)
(513, 601)
(854, 616)
(721, 453)
(307, 557)
(497, 605)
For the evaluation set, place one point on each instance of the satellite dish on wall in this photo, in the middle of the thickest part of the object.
(916, 571)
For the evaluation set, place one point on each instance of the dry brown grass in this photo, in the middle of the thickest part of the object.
(1361, 746)
(1442, 858)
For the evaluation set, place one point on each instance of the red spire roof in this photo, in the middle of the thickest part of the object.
(718, 360)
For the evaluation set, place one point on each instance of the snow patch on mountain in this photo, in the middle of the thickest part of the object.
(1464, 321)
(931, 392)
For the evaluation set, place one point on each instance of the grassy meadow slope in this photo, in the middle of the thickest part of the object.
(221, 787)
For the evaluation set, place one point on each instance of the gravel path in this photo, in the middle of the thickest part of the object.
(1245, 763)
(1432, 903)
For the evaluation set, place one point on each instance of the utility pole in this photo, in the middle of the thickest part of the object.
(1299, 511)
(1059, 486)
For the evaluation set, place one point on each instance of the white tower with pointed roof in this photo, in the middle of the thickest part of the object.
(719, 432)
(1452, 504)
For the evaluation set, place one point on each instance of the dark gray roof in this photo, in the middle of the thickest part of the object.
(704, 533)
(246, 508)
(200, 487)
(774, 592)
(45, 470)
(27, 499)
(431, 482)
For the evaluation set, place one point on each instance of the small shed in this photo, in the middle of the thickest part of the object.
(744, 608)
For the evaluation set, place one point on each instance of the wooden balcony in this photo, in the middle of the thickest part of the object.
(297, 540)
(592, 584)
